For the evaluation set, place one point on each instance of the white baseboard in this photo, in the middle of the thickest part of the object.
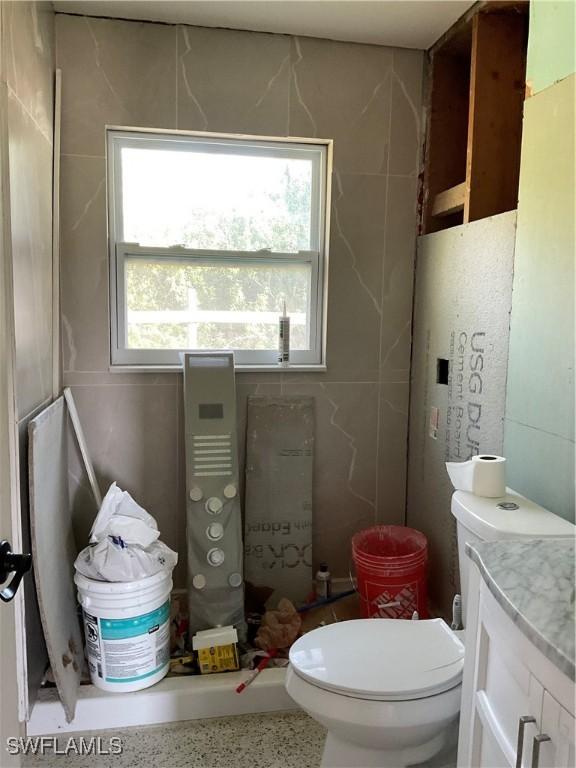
(171, 700)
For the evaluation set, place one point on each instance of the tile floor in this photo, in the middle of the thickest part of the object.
(271, 740)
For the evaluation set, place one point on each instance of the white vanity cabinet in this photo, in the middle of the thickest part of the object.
(517, 705)
(559, 724)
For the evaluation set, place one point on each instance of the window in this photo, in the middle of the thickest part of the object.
(209, 235)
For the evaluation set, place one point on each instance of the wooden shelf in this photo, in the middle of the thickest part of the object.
(449, 201)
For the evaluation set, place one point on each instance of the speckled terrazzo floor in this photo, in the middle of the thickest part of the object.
(271, 740)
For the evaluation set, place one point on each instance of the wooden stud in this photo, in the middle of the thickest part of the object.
(497, 78)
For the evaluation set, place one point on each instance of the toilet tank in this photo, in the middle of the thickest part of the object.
(510, 517)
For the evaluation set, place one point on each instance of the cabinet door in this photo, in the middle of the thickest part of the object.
(507, 697)
(506, 691)
(558, 724)
(490, 753)
(566, 750)
(506, 717)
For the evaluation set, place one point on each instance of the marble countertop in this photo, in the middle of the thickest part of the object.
(533, 581)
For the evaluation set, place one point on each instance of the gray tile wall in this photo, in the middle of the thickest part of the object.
(366, 98)
(28, 30)
(26, 97)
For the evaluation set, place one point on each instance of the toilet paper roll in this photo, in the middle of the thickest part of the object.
(482, 475)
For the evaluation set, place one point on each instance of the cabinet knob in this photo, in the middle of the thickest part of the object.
(522, 723)
(536, 744)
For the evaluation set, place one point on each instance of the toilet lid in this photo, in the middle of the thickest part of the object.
(382, 659)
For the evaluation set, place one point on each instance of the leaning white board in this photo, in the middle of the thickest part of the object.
(54, 549)
(79, 432)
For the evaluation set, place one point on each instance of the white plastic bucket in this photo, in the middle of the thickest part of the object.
(127, 628)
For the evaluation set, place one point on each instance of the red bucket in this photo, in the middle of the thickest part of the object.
(390, 563)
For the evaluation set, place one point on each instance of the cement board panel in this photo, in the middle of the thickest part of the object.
(279, 469)
(462, 317)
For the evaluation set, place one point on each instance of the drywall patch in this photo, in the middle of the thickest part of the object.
(462, 314)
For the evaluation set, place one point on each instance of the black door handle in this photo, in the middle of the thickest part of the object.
(11, 563)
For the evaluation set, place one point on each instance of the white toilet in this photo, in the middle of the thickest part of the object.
(387, 690)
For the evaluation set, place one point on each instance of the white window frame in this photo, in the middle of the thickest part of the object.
(122, 357)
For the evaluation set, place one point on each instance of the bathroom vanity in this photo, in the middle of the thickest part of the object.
(518, 694)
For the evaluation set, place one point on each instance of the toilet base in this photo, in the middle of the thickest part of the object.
(343, 754)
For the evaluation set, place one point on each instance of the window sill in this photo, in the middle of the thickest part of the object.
(320, 368)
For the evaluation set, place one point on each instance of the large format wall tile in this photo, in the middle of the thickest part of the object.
(392, 453)
(232, 81)
(84, 279)
(341, 91)
(113, 74)
(398, 279)
(355, 277)
(132, 438)
(83, 505)
(406, 118)
(26, 98)
(29, 59)
(367, 99)
(30, 160)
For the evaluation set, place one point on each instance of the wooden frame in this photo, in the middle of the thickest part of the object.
(474, 131)
(497, 85)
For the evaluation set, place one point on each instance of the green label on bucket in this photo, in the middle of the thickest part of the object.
(120, 629)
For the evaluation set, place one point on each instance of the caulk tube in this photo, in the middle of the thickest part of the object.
(483, 475)
(284, 339)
